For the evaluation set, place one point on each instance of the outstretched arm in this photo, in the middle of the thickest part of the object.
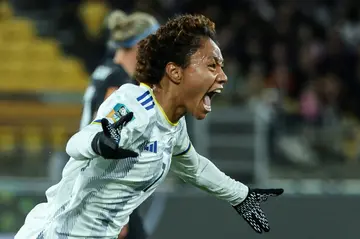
(202, 173)
(199, 171)
(79, 145)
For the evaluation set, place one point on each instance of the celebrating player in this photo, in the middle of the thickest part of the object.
(125, 159)
(125, 32)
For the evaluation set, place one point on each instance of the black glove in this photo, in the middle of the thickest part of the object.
(250, 209)
(106, 143)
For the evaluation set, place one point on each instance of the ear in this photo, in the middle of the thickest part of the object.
(174, 72)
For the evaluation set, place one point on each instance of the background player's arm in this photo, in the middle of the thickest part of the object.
(202, 173)
(79, 145)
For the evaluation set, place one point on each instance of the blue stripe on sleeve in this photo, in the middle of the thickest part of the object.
(150, 106)
(184, 152)
(147, 101)
(143, 96)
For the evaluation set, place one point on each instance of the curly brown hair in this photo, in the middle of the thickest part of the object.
(176, 41)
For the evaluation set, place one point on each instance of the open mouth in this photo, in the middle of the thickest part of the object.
(208, 97)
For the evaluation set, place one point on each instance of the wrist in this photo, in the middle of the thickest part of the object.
(243, 192)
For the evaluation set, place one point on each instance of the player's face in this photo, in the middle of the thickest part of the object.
(203, 79)
(131, 58)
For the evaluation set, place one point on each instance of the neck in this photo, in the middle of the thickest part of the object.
(169, 99)
(121, 58)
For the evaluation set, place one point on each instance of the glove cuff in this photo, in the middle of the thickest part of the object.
(95, 143)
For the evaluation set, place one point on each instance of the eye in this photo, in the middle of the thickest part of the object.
(212, 65)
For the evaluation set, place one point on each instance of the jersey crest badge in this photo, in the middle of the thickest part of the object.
(118, 111)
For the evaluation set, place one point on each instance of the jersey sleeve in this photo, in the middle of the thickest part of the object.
(199, 171)
(183, 143)
(133, 135)
(121, 102)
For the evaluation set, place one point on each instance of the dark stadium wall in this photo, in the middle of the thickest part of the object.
(291, 217)
(199, 216)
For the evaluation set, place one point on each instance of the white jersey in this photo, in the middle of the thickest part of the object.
(96, 196)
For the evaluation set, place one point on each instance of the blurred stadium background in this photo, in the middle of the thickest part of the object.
(289, 117)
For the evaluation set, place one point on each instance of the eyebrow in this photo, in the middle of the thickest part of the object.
(218, 60)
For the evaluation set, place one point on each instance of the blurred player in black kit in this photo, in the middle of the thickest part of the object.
(117, 69)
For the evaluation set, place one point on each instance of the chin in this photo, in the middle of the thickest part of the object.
(200, 116)
(198, 113)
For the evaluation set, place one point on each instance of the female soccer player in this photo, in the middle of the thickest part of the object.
(118, 68)
(126, 157)
(125, 31)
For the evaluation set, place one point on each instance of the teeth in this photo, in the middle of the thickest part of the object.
(207, 107)
(217, 90)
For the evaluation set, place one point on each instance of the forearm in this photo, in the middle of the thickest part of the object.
(202, 173)
(79, 145)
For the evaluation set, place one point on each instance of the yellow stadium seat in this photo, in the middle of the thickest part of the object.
(72, 75)
(16, 51)
(16, 30)
(58, 136)
(31, 64)
(6, 53)
(12, 75)
(7, 138)
(45, 47)
(71, 65)
(5, 10)
(32, 138)
(38, 50)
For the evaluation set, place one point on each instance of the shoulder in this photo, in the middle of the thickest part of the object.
(109, 72)
(101, 73)
(138, 100)
(118, 76)
(139, 95)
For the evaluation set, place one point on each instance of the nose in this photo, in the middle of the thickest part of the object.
(222, 77)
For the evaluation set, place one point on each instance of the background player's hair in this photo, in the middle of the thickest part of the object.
(127, 30)
(174, 42)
